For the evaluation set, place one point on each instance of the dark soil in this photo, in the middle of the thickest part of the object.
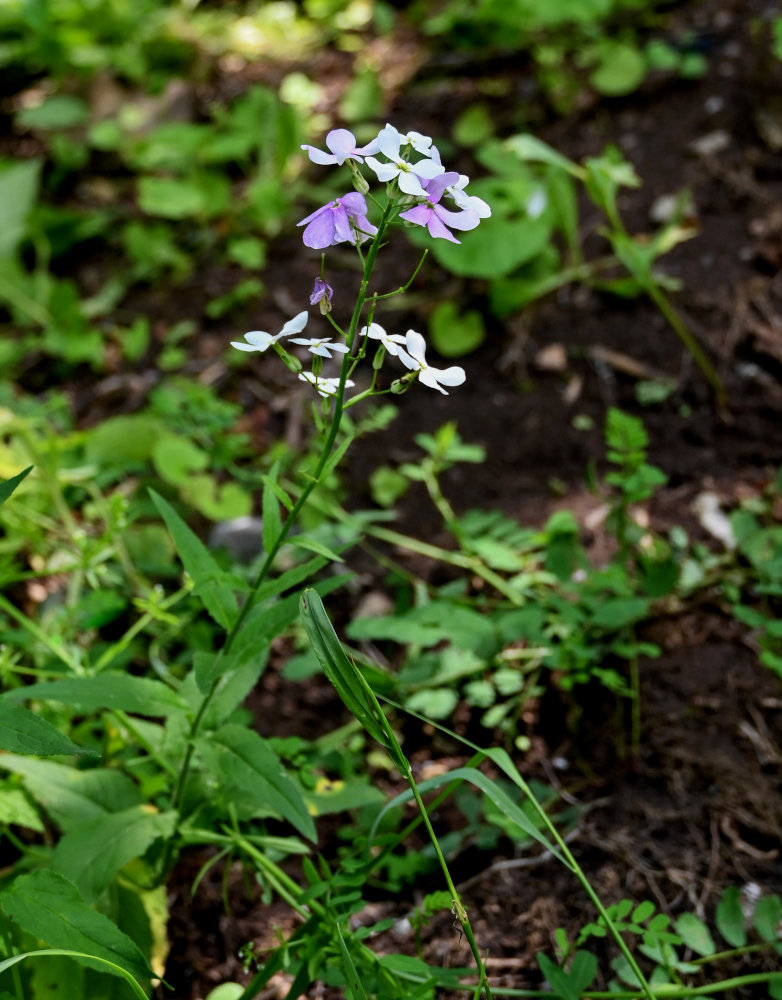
(700, 809)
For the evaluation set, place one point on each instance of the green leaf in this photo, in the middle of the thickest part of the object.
(618, 612)
(217, 596)
(17, 810)
(437, 703)
(729, 918)
(72, 796)
(348, 682)
(18, 191)
(530, 149)
(767, 917)
(569, 985)
(493, 791)
(313, 545)
(454, 333)
(99, 963)
(272, 522)
(243, 760)
(49, 906)
(7, 486)
(22, 731)
(695, 934)
(355, 990)
(123, 692)
(59, 111)
(622, 69)
(91, 853)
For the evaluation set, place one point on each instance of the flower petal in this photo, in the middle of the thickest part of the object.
(419, 215)
(319, 234)
(342, 144)
(295, 325)
(450, 376)
(410, 184)
(318, 156)
(437, 228)
(416, 346)
(427, 169)
(463, 220)
(429, 378)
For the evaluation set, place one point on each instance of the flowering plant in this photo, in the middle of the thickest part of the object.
(419, 191)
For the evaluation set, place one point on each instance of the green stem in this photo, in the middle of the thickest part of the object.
(18, 988)
(461, 912)
(313, 482)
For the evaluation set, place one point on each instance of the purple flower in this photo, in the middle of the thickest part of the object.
(343, 220)
(322, 293)
(436, 218)
(343, 147)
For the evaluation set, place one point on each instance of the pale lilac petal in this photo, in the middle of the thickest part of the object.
(470, 203)
(436, 186)
(341, 143)
(318, 156)
(314, 215)
(437, 229)
(419, 215)
(364, 228)
(295, 325)
(319, 234)
(457, 220)
(355, 203)
(343, 232)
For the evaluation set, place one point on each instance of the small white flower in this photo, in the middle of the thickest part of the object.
(260, 340)
(325, 386)
(322, 346)
(409, 175)
(472, 203)
(390, 341)
(414, 358)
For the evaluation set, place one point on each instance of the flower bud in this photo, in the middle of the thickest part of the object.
(401, 385)
(360, 182)
(322, 294)
(379, 358)
(293, 364)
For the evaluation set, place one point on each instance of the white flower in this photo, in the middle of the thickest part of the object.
(472, 203)
(322, 346)
(325, 386)
(408, 175)
(414, 358)
(390, 341)
(259, 340)
(342, 145)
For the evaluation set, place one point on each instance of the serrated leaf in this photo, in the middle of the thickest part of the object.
(124, 692)
(49, 906)
(729, 918)
(210, 586)
(90, 854)
(242, 759)
(8, 486)
(22, 731)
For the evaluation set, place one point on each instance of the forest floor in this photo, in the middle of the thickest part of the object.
(699, 808)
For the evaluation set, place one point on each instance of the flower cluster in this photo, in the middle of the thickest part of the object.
(419, 192)
(422, 181)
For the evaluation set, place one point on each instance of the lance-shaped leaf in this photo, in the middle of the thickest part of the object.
(210, 582)
(140, 695)
(244, 761)
(90, 854)
(22, 731)
(49, 906)
(348, 681)
(7, 486)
